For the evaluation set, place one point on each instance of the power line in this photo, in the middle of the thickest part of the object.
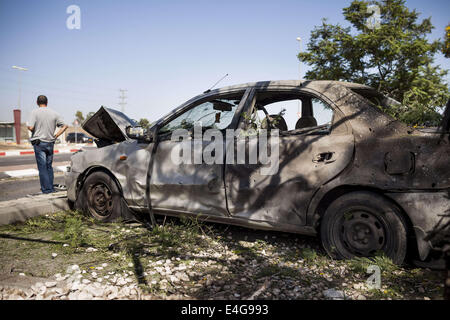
(122, 97)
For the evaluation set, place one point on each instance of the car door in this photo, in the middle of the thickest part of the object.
(307, 158)
(192, 186)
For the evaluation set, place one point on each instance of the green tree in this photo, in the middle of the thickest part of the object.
(79, 116)
(446, 49)
(393, 56)
(144, 123)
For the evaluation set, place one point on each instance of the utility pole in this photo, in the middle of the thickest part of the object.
(122, 97)
(20, 82)
(299, 113)
(76, 123)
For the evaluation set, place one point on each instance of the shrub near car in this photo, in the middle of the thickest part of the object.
(348, 172)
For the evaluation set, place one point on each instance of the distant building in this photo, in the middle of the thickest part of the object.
(15, 131)
(7, 132)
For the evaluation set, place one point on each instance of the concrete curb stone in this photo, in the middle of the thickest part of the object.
(19, 210)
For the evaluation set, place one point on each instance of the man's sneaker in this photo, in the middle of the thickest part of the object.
(35, 194)
(59, 187)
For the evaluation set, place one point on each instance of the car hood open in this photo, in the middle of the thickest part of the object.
(108, 124)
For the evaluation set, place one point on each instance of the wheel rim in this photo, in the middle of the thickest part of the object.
(362, 233)
(100, 200)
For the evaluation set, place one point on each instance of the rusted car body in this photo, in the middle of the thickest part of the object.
(363, 153)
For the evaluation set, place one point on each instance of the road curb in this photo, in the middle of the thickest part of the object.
(31, 172)
(30, 152)
(22, 209)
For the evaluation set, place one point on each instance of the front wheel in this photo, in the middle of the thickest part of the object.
(100, 197)
(363, 224)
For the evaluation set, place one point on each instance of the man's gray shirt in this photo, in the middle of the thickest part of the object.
(44, 120)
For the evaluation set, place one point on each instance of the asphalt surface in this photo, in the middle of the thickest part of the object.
(18, 188)
(30, 159)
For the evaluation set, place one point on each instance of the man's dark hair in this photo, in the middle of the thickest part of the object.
(42, 100)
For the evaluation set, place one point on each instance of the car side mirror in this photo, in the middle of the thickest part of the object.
(138, 133)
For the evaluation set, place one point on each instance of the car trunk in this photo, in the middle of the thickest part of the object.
(108, 126)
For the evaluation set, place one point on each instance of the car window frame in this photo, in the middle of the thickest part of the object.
(190, 104)
(338, 115)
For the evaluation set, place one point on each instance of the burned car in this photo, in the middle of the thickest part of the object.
(346, 170)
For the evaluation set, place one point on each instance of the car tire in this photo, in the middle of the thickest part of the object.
(364, 224)
(100, 197)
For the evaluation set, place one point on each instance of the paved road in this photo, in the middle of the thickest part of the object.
(30, 160)
(14, 189)
(17, 188)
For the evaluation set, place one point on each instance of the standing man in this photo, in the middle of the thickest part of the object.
(42, 124)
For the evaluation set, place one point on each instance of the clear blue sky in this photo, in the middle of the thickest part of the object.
(163, 52)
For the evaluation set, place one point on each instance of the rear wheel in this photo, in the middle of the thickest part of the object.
(100, 197)
(364, 224)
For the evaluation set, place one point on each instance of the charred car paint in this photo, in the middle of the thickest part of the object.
(324, 171)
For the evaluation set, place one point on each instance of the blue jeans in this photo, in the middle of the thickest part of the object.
(44, 158)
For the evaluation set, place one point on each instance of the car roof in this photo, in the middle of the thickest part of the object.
(289, 83)
(264, 84)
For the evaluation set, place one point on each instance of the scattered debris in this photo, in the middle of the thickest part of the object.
(180, 261)
(334, 294)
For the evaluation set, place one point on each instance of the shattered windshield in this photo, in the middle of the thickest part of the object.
(214, 114)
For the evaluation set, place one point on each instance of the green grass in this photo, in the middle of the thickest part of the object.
(74, 232)
(271, 270)
(312, 257)
(134, 248)
(385, 264)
